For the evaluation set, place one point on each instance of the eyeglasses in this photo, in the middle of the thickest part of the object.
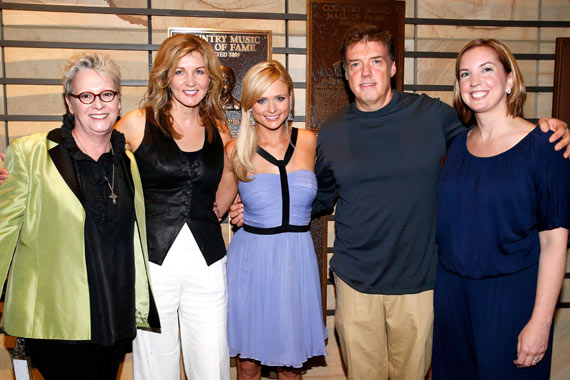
(89, 97)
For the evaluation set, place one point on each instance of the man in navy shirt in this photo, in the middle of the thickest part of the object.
(379, 160)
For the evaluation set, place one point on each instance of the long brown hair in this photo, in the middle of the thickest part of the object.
(157, 99)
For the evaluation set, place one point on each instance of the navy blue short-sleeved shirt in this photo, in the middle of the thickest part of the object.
(381, 169)
(491, 209)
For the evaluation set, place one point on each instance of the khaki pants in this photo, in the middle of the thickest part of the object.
(384, 336)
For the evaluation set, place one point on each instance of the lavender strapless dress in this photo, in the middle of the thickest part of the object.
(274, 304)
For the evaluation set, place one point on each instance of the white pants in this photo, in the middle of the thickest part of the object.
(191, 299)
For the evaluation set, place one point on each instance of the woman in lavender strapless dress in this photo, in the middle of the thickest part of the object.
(274, 305)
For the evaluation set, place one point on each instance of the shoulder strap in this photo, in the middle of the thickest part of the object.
(288, 154)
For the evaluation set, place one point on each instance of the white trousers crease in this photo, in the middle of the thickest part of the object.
(192, 299)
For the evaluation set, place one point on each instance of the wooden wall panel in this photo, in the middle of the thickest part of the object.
(561, 97)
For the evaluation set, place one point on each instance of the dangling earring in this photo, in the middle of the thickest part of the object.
(508, 91)
(290, 117)
(251, 118)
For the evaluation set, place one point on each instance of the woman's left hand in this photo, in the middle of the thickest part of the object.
(532, 344)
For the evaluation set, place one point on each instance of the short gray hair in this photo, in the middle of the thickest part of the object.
(99, 62)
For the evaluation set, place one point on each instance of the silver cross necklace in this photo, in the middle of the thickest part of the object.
(111, 184)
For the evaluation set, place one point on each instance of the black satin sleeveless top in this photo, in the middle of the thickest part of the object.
(177, 191)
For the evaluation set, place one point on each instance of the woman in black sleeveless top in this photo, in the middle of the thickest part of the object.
(178, 139)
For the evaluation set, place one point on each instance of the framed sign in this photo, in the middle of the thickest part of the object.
(237, 50)
(328, 20)
(560, 109)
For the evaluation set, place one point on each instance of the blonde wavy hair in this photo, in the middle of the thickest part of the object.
(517, 97)
(157, 99)
(256, 81)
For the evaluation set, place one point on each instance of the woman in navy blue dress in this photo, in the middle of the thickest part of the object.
(503, 219)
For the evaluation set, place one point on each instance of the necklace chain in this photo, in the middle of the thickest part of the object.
(111, 184)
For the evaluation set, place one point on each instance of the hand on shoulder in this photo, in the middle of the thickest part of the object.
(561, 133)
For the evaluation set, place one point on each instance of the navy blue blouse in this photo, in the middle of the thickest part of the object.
(490, 209)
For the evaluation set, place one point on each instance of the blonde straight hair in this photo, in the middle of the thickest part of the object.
(256, 81)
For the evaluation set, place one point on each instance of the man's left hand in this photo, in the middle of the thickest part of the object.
(561, 132)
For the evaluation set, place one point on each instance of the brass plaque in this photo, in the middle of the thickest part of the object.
(328, 20)
(237, 50)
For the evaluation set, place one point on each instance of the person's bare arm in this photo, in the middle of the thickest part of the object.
(306, 149)
(533, 339)
(227, 188)
(132, 126)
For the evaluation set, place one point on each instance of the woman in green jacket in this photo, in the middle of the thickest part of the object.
(72, 234)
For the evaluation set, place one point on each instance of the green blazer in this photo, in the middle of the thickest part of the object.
(42, 243)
